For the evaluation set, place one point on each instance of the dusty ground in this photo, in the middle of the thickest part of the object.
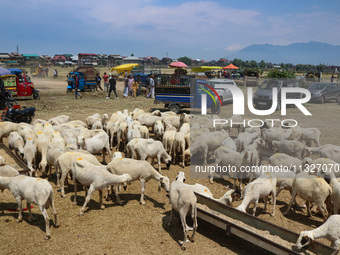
(133, 228)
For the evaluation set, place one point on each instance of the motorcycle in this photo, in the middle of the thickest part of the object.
(12, 111)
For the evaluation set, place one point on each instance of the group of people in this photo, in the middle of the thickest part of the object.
(132, 87)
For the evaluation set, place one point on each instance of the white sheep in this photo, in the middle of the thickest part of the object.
(63, 166)
(16, 143)
(308, 135)
(244, 139)
(144, 131)
(205, 191)
(7, 171)
(26, 132)
(262, 187)
(275, 134)
(179, 147)
(208, 142)
(229, 143)
(98, 144)
(312, 189)
(335, 185)
(97, 177)
(97, 125)
(59, 120)
(185, 128)
(58, 139)
(150, 148)
(148, 120)
(42, 143)
(291, 148)
(183, 199)
(30, 152)
(132, 133)
(138, 170)
(158, 130)
(34, 190)
(168, 140)
(330, 230)
(6, 128)
(292, 163)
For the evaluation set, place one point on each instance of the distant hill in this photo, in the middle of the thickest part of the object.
(312, 53)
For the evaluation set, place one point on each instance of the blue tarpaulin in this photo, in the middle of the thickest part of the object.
(15, 71)
(4, 71)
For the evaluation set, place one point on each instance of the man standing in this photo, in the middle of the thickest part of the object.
(98, 79)
(152, 87)
(106, 82)
(112, 87)
(76, 85)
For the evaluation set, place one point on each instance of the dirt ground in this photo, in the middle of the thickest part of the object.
(133, 228)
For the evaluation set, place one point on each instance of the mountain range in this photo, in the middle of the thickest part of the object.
(313, 53)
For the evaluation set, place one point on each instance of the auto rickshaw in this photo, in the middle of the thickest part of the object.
(19, 84)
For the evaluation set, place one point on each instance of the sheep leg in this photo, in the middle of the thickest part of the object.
(101, 199)
(142, 188)
(195, 225)
(19, 201)
(324, 211)
(75, 191)
(159, 163)
(309, 211)
(30, 216)
(291, 202)
(56, 223)
(108, 193)
(182, 214)
(87, 199)
(171, 213)
(265, 205)
(274, 201)
(62, 184)
(255, 206)
(116, 194)
(47, 221)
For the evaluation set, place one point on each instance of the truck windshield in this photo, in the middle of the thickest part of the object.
(268, 85)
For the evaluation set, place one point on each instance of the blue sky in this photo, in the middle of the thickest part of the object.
(198, 29)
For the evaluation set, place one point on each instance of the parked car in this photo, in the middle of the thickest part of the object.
(323, 91)
(263, 96)
(220, 86)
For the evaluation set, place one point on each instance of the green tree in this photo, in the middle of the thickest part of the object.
(274, 73)
(186, 60)
(262, 64)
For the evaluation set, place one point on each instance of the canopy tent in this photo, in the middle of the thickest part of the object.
(230, 67)
(201, 69)
(178, 64)
(4, 71)
(123, 68)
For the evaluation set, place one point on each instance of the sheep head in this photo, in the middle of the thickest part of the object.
(164, 182)
(306, 238)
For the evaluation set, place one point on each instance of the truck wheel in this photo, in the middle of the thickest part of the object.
(215, 109)
(174, 108)
(36, 96)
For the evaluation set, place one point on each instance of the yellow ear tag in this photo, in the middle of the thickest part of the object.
(79, 158)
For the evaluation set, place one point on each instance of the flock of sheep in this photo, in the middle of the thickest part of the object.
(69, 146)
